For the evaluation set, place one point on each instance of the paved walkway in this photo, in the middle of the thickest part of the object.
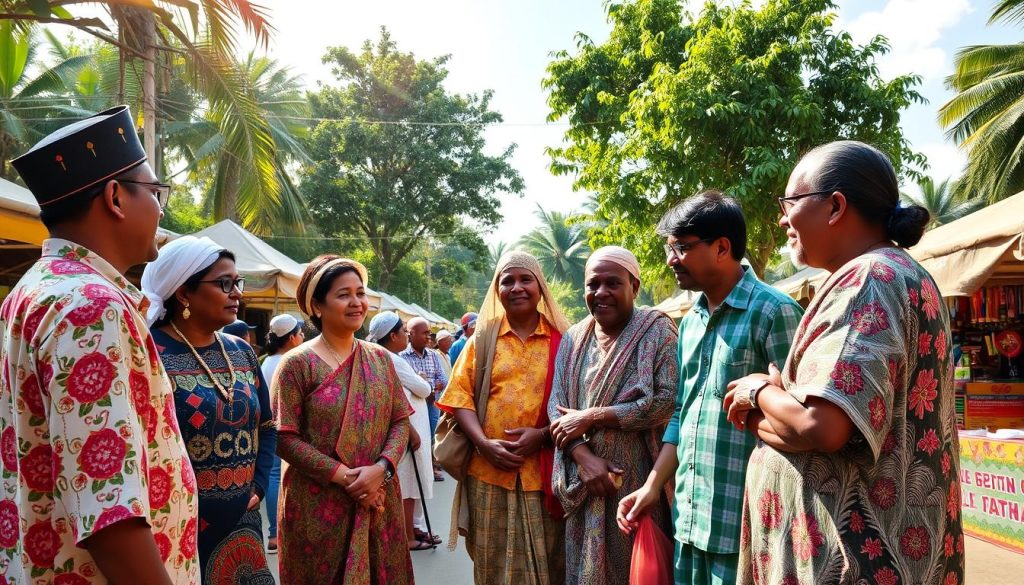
(987, 564)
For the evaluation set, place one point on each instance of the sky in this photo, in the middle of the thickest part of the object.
(505, 46)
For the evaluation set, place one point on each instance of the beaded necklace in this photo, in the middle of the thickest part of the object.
(227, 396)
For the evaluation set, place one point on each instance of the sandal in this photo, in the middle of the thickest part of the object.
(422, 536)
(420, 545)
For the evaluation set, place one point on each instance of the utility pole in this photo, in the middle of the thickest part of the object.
(430, 302)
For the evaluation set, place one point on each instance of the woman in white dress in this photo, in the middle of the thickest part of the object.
(387, 329)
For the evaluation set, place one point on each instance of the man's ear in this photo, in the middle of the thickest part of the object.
(113, 195)
(839, 207)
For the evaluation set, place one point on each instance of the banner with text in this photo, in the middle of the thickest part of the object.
(992, 482)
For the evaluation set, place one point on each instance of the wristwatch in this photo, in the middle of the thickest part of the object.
(752, 396)
(388, 473)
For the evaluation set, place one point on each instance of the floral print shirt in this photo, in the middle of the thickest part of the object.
(885, 508)
(88, 434)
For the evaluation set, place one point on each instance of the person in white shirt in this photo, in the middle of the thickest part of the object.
(285, 334)
(387, 329)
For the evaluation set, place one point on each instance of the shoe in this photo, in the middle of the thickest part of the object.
(438, 477)
(420, 545)
(422, 536)
(272, 546)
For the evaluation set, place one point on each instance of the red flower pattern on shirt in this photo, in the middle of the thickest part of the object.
(65, 421)
(922, 393)
(870, 319)
(771, 510)
(42, 543)
(872, 547)
(929, 443)
(807, 537)
(915, 542)
(91, 377)
(847, 377)
(37, 468)
(886, 576)
(103, 454)
(856, 522)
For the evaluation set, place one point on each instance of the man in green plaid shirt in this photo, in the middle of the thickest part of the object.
(736, 327)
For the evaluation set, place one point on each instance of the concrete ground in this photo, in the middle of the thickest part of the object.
(987, 564)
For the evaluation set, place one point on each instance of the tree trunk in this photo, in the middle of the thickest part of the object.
(149, 91)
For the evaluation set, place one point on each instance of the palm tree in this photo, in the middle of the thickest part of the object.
(943, 202)
(200, 142)
(986, 117)
(153, 36)
(28, 106)
(560, 246)
(495, 252)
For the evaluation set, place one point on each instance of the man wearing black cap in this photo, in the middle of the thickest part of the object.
(97, 486)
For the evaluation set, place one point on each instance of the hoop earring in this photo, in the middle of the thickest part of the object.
(186, 313)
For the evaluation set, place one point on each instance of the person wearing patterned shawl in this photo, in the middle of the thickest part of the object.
(613, 392)
(222, 403)
(513, 526)
(343, 420)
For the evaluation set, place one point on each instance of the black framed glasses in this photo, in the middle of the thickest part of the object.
(681, 249)
(162, 191)
(788, 201)
(227, 283)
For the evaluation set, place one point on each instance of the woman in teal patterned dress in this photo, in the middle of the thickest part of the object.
(222, 402)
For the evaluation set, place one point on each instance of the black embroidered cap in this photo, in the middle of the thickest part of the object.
(80, 155)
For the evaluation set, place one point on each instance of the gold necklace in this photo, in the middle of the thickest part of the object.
(334, 354)
(227, 396)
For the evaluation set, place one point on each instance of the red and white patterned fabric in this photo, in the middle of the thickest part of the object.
(88, 434)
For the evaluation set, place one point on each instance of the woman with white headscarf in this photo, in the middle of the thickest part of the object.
(613, 392)
(513, 533)
(222, 404)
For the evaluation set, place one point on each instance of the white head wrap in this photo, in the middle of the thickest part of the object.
(443, 334)
(381, 325)
(177, 261)
(618, 255)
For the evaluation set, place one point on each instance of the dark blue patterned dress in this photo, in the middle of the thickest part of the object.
(231, 446)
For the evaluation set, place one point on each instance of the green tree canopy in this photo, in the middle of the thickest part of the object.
(671, 104)
(396, 157)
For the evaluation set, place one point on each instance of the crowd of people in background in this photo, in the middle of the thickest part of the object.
(772, 443)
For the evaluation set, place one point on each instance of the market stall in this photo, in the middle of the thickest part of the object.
(978, 265)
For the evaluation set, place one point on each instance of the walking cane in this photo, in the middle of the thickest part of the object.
(423, 500)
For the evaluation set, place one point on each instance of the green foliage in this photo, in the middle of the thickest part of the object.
(244, 142)
(184, 215)
(986, 117)
(671, 105)
(415, 174)
(942, 200)
(560, 246)
(30, 106)
(570, 300)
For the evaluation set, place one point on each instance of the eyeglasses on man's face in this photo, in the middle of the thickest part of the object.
(162, 191)
(786, 203)
(226, 283)
(681, 248)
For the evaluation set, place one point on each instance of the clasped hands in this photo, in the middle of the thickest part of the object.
(364, 484)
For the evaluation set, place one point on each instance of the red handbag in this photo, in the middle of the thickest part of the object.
(651, 563)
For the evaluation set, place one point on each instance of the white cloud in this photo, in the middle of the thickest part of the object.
(914, 29)
(944, 159)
